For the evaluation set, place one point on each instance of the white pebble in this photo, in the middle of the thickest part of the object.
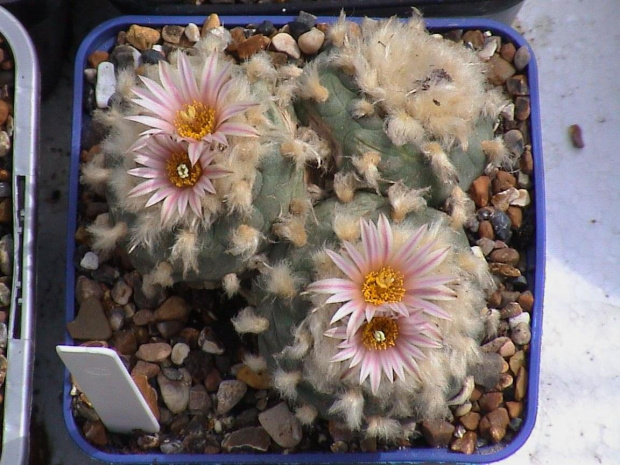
(179, 353)
(520, 318)
(90, 74)
(523, 200)
(310, 42)
(488, 51)
(523, 180)
(106, 83)
(192, 32)
(508, 112)
(90, 261)
(285, 43)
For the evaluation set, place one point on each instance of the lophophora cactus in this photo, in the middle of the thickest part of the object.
(373, 323)
(406, 113)
(192, 167)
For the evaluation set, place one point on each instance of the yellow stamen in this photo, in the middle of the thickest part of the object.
(180, 171)
(383, 286)
(195, 120)
(380, 333)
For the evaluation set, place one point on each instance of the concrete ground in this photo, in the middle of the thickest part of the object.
(577, 45)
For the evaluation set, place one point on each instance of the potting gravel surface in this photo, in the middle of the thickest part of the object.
(181, 343)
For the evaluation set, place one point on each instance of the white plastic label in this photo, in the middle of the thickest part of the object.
(104, 379)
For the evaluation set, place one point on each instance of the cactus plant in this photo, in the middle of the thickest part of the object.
(400, 105)
(372, 322)
(190, 202)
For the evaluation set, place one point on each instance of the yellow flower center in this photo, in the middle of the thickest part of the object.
(383, 286)
(380, 333)
(180, 171)
(195, 121)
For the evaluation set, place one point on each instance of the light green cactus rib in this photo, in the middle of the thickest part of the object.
(352, 137)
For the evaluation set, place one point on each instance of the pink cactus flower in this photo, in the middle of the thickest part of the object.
(386, 345)
(170, 176)
(385, 277)
(197, 113)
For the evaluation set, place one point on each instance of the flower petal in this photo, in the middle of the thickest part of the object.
(346, 266)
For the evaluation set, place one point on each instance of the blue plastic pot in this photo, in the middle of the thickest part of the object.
(102, 38)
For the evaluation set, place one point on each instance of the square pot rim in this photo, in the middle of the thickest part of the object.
(105, 34)
(20, 343)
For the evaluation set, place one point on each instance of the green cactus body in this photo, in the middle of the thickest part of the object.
(322, 383)
(355, 136)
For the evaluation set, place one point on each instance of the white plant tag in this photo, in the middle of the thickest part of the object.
(115, 397)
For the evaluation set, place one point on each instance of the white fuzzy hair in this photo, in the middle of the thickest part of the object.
(94, 174)
(366, 165)
(440, 163)
(310, 86)
(185, 250)
(231, 284)
(306, 414)
(256, 363)
(361, 107)
(461, 207)
(247, 321)
(282, 281)
(160, 276)
(345, 185)
(260, 68)
(106, 235)
(346, 226)
(403, 129)
(404, 200)
(302, 342)
(350, 405)
(244, 241)
(384, 428)
(291, 228)
(286, 383)
(497, 153)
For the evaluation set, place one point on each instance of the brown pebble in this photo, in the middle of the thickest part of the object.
(516, 216)
(143, 317)
(509, 310)
(6, 211)
(475, 395)
(466, 445)
(505, 381)
(174, 308)
(507, 255)
(522, 108)
(437, 432)
(499, 70)
(5, 175)
(479, 191)
(148, 369)
(485, 229)
(493, 425)
(495, 299)
(515, 409)
(505, 270)
(368, 444)
(576, 136)
(471, 421)
(213, 380)
(5, 111)
(517, 85)
(521, 384)
(502, 181)
(142, 37)
(496, 344)
(507, 349)
(125, 342)
(256, 380)
(212, 22)
(7, 65)
(517, 361)
(97, 57)
(526, 300)
(490, 401)
(95, 433)
(507, 51)
(475, 38)
(154, 352)
(251, 46)
(526, 162)
(148, 392)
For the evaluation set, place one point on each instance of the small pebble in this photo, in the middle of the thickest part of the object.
(514, 142)
(121, 292)
(311, 42)
(522, 58)
(6, 254)
(266, 28)
(171, 446)
(517, 85)
(175, 394)
(172, 33)
(437, 432)
(179, 353)
(229, 394)
(282, 425)
(285, 43)
(154, 352)
(250, 439)
(297, 28)
(576, 136)
(106, 84)
(192, 32)
(142, 37)
(521, 333)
